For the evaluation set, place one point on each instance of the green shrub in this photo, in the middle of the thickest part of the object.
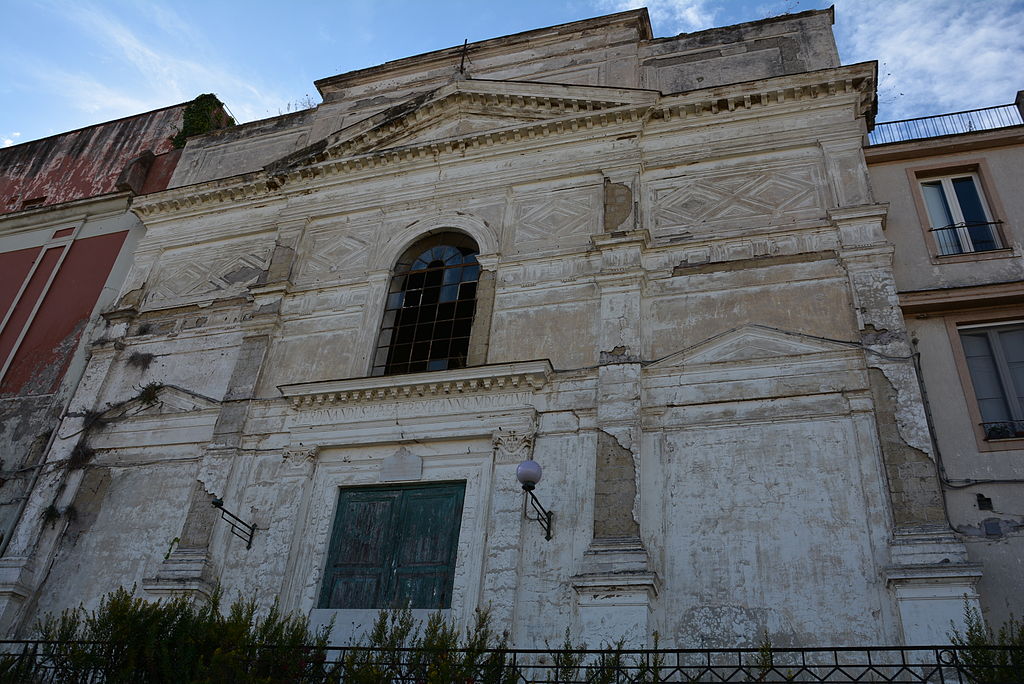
(436, 653)
(991, 657)
(128, 639)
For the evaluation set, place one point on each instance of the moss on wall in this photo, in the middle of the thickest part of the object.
(202, 115)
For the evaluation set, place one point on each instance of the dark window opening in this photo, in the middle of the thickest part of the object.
(984, 503)
(428, 315)
(33, 202)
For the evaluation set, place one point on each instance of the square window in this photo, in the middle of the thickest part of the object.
(393, 547)
(958, 215)
(995, 362)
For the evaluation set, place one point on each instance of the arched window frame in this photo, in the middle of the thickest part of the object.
(430, 307)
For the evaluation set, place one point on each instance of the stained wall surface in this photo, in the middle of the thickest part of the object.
(686, 313)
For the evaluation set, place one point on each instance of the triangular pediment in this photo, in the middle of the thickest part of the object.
(167, 399)
(450, 126)
(463, 110)
(750, 343)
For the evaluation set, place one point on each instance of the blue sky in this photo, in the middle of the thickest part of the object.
(64, 65)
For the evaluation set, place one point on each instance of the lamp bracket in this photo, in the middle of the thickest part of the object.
(544, 516)
(239, 527)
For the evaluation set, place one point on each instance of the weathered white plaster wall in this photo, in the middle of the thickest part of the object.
(676, 336)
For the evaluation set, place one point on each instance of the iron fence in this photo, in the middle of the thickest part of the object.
(85, 663)
(985, 119)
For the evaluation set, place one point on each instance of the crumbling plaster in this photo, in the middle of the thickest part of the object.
(709, 350)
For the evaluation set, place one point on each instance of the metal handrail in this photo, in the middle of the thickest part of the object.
(954, 123)
(951, 244)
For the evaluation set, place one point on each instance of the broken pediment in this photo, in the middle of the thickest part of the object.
(750, 342)
(469, 107)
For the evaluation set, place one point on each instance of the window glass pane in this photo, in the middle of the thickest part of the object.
(970, 201)
(935, 201)
(1012, 342)
(940, 218)
(985, 377)
(434, 285)
(983, 236)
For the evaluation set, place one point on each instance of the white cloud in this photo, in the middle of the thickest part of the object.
(670, 17)
(7, 142)
(135, 64)
(935, 56)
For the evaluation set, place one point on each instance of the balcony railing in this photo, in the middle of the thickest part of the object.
(967, 238)
(80, 662)
(968, 121)
(1004, 429)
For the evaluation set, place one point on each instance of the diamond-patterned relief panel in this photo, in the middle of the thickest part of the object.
(333, 250)
(555, 219)
(195, 274)
(767, 196)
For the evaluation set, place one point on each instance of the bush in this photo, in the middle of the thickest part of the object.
(129, 639)
(991, 657)
(435, 654)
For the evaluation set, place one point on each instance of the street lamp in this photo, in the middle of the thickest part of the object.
(529, 473)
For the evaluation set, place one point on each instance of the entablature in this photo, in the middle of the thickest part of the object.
(531, 375)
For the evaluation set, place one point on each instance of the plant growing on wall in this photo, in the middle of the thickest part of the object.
(201, 115)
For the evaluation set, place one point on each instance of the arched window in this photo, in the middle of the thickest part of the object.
(429, 312)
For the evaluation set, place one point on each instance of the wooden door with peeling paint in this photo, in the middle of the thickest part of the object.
(393, 547)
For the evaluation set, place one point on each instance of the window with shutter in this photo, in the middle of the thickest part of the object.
(995, 361)
(393, 547)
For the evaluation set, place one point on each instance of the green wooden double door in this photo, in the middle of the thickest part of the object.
(394, 547)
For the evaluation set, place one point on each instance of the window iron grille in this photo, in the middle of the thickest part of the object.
(428, 316)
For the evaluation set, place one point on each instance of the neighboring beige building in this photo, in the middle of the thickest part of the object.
(954, 184)
(653, 265)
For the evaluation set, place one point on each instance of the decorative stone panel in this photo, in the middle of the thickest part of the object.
(777, 195)
(207, 272)
(555, 219)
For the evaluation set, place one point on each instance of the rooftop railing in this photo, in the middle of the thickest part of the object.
(969, 121)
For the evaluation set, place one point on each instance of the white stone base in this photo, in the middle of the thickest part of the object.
(933, 584)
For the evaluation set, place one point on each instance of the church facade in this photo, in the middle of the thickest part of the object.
(654, 266)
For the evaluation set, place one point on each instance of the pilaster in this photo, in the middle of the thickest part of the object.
(929, 576)
(505, 529)
(616, 584)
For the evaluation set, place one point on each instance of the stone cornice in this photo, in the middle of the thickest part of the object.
(68, 212)
(857, 79)
(233, 189)
(854, 79)
(527, 375)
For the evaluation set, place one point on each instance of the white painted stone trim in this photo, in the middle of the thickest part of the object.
(476, 380)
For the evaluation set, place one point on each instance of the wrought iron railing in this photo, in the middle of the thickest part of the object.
(1003, 429)
(968, 121)
(57, 663)
(967, 238)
